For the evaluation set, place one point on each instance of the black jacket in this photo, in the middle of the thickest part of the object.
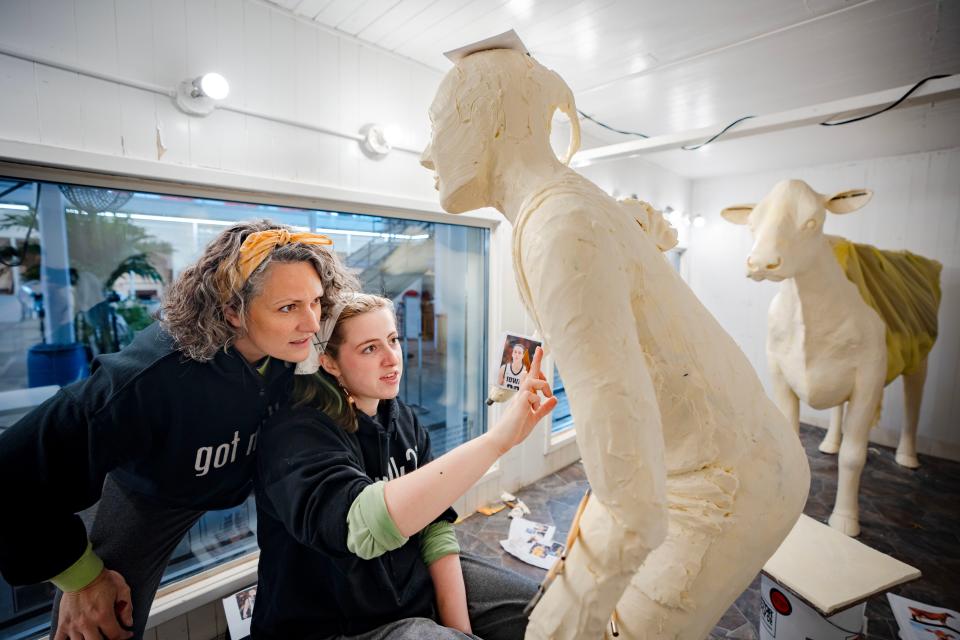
(309, 472)
(178, 431)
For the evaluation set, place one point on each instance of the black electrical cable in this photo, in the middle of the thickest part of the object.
(643, 135)
(725, 129)
(606, 126)
(738, 121)
(827, 123)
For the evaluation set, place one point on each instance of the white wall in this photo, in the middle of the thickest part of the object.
(276, 64)
(651, 183)
(916, 206)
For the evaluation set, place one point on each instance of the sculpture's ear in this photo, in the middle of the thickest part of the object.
(738, 213)
(848, 201)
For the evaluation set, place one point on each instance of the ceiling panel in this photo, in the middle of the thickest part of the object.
(395, 17)
(339, 10)
(366, 14)
(657, 67)
(309, 8)
(417, 24)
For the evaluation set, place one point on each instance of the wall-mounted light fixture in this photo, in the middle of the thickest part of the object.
(375, 142)
(677, 218)
(198, 97)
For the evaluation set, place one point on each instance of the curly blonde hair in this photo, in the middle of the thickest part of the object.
(323, 391)
(193, 309)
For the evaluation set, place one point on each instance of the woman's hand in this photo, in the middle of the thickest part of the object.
(97, 610)
(525, 409)
(415, 499)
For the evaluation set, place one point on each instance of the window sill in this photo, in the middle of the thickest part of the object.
(180, 597)
(560, 440)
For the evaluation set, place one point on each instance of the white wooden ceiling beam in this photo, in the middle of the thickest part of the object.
(932, 91)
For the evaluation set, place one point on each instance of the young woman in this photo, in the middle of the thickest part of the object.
(512, 373)
(354, 517)
(161, 431)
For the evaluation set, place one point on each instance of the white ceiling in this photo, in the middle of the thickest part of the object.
(665, 67)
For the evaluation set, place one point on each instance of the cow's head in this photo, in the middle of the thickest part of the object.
(787, 226)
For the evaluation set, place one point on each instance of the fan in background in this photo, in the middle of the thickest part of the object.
(96, 243)
(95, 199)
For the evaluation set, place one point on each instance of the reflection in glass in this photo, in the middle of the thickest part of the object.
(562, 418)
(83, 269)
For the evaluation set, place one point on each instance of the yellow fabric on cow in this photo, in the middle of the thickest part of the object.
(904, 289)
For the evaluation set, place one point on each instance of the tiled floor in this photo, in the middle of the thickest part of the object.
(911, 515)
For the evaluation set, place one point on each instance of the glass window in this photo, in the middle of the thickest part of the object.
(83, 269)
(562, 419)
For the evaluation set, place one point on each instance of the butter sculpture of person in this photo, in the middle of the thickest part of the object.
(696, 475)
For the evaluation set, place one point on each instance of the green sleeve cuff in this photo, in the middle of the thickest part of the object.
(438, 540)
(371, 532)
(80, 573)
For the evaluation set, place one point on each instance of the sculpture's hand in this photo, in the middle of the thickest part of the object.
(525, 409)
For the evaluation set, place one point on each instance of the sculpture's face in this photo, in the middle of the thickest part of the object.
(458, 153)
(786, 227)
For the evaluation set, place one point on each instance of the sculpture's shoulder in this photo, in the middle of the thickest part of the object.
(572, 206)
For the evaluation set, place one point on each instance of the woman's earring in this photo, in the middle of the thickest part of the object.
(346, 392)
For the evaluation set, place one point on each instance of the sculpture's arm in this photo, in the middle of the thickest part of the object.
(580, 289)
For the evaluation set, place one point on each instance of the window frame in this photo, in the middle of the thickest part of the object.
(182, 592)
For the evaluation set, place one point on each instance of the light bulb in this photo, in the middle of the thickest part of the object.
(214, 85)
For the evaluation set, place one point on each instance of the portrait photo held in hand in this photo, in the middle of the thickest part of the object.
(515, 360)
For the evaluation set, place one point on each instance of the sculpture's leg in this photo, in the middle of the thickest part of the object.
(831, 441)
(861, 412)
(913, 394)
(600, 564)
(786, 400)
(713, 551)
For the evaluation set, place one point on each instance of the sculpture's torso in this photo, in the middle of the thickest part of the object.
(820, 333)
(709, 397)
(819, 363)
(641, 356)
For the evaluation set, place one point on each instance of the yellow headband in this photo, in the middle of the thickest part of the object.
(258, 246)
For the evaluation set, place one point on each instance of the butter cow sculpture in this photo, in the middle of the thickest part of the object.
(847, 320)
(696, 475)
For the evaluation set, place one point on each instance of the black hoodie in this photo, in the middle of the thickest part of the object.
(178, 431)
(309, 472)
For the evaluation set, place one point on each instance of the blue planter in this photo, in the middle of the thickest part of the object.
(58, 364)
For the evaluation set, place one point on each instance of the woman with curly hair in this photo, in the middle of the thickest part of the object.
(162, 431)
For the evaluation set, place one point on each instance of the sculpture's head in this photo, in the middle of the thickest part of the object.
(787, 226)
(492, 103)
(652, 222)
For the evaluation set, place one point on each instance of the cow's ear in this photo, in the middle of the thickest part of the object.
(848, 201)
(738, 213)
